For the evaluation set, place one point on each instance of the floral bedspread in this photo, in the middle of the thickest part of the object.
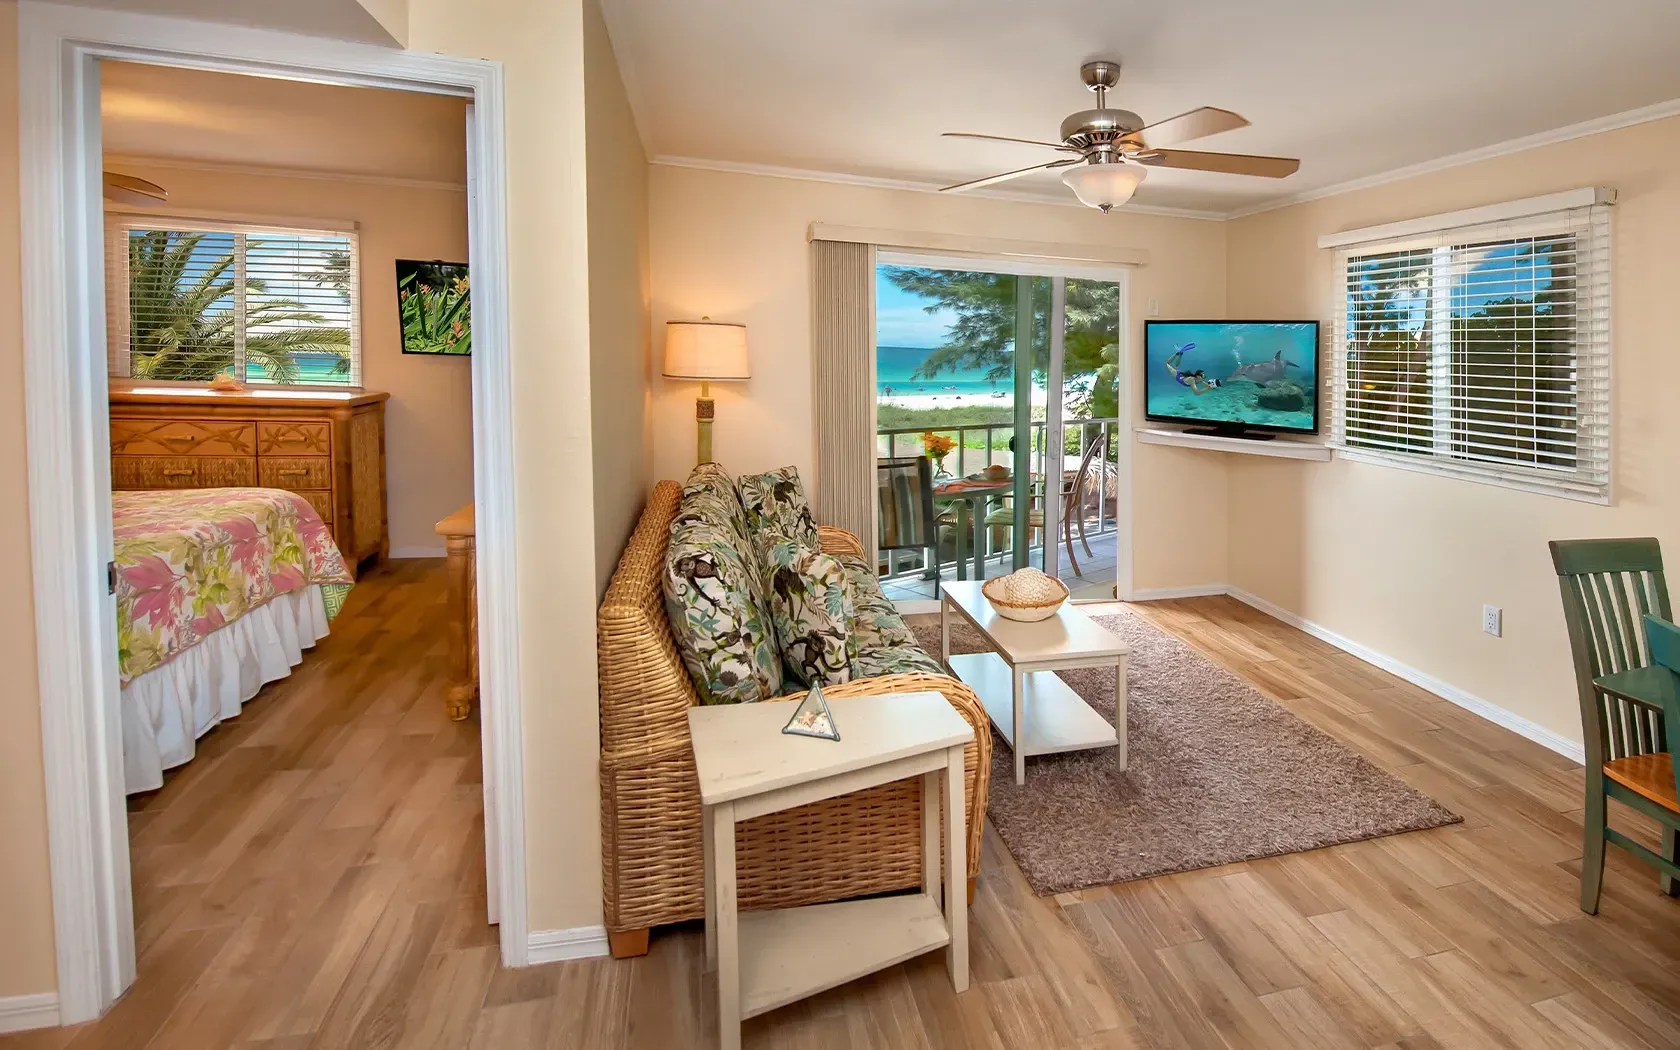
(192, 560)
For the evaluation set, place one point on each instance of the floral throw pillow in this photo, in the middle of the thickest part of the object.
(713, 479)
(811, 608)
(718, 619)
(775, 502)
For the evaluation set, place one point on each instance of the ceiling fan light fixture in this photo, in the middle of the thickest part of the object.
(1104, 186)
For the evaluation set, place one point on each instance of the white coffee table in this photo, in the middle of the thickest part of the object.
(1034, 710)
(748, 767)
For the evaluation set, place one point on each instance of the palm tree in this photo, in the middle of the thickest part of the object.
(182, 314)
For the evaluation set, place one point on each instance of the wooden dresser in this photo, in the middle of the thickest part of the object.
(328, 448)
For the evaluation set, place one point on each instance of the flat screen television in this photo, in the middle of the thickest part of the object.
(1233, 377)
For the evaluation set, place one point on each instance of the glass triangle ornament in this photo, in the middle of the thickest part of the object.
(813, 718)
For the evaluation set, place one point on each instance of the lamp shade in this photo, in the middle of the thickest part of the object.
(1104, 186)
(705, 350)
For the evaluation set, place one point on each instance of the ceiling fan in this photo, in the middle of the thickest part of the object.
(1112, 149)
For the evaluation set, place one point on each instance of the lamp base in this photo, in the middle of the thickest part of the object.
(704, 408)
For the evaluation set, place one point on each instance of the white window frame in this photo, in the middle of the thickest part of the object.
(117, 309)
(1583, 213)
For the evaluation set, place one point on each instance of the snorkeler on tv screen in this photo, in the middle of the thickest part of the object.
(1196, 379)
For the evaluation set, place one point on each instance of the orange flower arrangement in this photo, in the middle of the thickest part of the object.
(937, 447)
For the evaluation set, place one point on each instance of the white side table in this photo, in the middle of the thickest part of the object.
(748, 767)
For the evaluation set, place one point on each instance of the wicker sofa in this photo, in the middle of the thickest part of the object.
(865, 843)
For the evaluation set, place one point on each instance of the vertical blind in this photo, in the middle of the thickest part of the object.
(843, 385)
(186, 300)
(1482, 352)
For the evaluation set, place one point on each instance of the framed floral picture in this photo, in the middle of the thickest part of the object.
(434, 304)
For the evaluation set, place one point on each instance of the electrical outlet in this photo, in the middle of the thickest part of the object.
(1154, 307)
(1493, 618)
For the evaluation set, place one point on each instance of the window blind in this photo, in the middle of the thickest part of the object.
(1481, 352)
(187, 300)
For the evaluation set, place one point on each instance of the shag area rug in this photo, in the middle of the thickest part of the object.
(1218, 773)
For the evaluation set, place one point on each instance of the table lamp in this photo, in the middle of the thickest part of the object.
(706, 350)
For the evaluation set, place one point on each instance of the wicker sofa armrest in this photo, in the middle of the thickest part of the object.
(977, 753)
(835, 540)
(645, 692)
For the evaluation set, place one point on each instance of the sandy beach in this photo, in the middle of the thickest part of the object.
(950, 400)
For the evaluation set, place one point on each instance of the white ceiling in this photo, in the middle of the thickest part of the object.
(189, 115)
(1354, 88)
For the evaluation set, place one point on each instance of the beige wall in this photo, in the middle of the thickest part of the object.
(733, 247)
(1402, 562)
(540, 46)
(27, 964)
(428, 421)
(619, 291)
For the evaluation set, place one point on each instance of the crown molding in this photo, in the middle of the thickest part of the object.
(275, 172)
(872, 182)
(1596, 126)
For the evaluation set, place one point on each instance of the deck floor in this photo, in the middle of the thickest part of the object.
(1094, 582)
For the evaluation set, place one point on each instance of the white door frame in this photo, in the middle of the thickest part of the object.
(69, 458)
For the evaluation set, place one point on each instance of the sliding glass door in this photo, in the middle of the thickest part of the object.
(953, 386)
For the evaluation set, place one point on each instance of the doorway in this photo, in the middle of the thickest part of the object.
(1025, 448)
(68, 427)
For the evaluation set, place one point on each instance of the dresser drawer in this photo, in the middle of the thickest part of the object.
(321, 500)
(182, 472)
(300, 438)
(183, 437)
(295, 472)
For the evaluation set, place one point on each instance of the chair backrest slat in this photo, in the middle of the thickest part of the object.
(1608, 587)
(1662, 640)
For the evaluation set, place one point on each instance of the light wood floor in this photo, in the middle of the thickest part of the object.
(314, 879)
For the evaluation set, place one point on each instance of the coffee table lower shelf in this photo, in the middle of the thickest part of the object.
(790, 953)
(1057, 718)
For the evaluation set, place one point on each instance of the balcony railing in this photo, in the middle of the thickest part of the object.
(979, 445)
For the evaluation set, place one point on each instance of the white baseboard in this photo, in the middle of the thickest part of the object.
(580, 942)
(20, 1013)
(1158, 594)
(418, 552)
(1445, 690)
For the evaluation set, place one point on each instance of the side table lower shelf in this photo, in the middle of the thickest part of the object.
(790, 953)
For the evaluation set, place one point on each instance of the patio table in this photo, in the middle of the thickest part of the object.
(969, 498)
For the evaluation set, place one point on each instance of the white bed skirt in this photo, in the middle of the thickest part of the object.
(167, 709)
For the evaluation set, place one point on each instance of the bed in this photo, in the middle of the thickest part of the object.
(219, 591)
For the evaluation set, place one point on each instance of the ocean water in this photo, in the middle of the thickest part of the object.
(1220, 350)
(315, 369)
(894, 365)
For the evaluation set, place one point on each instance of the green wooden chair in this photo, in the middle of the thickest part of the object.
(906, 516)
(1630, 705)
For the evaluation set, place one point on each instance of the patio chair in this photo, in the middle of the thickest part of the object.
(1630, 706)
(1073, 498)
(904, 500)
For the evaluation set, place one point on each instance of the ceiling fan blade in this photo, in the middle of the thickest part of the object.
(1006, 138)
(1006, 176)
(131, 189)
(1209, 120)
(1229, 163)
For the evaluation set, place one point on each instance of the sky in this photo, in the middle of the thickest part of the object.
(901, 320)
